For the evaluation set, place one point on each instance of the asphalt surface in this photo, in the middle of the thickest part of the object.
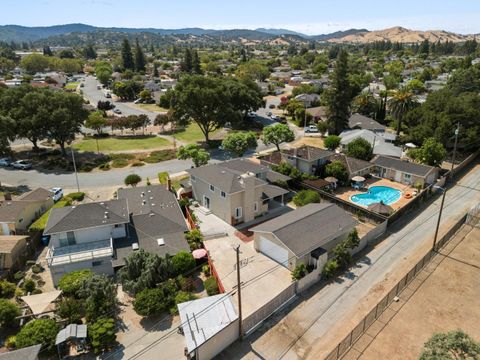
(303, 332)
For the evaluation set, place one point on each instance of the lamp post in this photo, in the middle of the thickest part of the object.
(445, 188)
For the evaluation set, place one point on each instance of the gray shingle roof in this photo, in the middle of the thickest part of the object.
(309, 153)
(402, 165)
(352, 164)
(10, 210)
(28, 353)
(70, 218)
(308, 227)
(39, 194)
(364, 122)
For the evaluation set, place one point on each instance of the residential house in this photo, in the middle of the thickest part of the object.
(308, 159)
(27, 353)
(12, 251)
(404, 171)
(237, 191)
(375, 88)
(16, 215)
(354, 166)
(381, 144)
(322, 227)
(308, 100)
(82, 236)
(157, 223)
(319, 113)
(358, 121)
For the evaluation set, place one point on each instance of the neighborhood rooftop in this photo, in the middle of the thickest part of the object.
(402, 165)
(364, 122)
(299, 229)
(70, 218)
(309, 153)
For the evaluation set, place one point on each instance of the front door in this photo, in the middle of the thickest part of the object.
(206, 202)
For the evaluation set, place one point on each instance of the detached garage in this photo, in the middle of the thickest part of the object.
(301, 235)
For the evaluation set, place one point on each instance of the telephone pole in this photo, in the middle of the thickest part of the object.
(239, 292)
(445, 186)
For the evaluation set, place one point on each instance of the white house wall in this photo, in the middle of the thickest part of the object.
(91, 234)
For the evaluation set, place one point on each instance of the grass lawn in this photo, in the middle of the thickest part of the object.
(151, 107)
(123, 143)
(72, 85)
(191, 134)
(39, 224)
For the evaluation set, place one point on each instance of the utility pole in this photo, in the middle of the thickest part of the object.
(75, 168)
(445, 187)
(239, 292)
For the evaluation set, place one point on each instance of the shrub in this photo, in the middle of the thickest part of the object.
(40, 331)
(11, 342)
(7, 289)
(19, 275)
(299, 272)
(99, 294)
(330, 268)
(360, 148)
(104, 167)
(8, 312)
(185, 283)
(183, 262)
(163, 177)
(184, 296)
(160, 155)
(206, 269)
(36, 269)
(138, 163)
(194, 238)
(119, 163)
(36, 291)
(28, 285)
(76, 196)
(331, 142)
(154, 301)
(148, 181)
(19, 292)
(132, 180)
(211, 286)
(70, 283)
(30, 262)
(338, 170)
(305, 197)
(102, 334)
(122, 156)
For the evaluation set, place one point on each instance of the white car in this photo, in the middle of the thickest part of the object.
(57, 193)
(22, 165)
(311, 129)
(5, 162)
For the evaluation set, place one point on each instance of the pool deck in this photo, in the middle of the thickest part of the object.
(345, 193)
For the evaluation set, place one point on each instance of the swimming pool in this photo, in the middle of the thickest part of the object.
(375, 194)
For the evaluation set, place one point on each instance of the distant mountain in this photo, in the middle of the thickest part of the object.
(278, 32)
(402, 35)
(338, 34)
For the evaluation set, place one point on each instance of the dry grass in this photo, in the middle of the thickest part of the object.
(316, 141)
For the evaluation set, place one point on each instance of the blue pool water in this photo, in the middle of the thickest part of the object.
(376, 194)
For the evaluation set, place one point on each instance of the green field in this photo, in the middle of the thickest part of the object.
(191, 134)
(151, 107)
(123, 144)
(72, 85)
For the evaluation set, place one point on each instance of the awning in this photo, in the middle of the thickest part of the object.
(39, 303)
(272, 191)
(72, 331)
(331, 179)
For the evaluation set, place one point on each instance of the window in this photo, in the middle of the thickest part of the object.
(118, 225)
(222, 194)
(193, 178)
(97, 263)
(212, 188)
(255, 206)
(238, 212)
(407, 176)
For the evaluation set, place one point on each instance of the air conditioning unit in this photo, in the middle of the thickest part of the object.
(135, 246)
(160, 242)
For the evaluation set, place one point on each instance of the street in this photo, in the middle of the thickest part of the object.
(319, 321)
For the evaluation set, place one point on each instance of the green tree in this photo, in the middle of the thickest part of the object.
(7, 134)
(253, 70)
(145, 95)
(365, 104)
(211, 286)
(277, 134)
(182, 263)
(359, 148)
(299, 272)
(332, 142)
(239, 142)
(430, 153)
(127, 90)
(139, 57)
(89, 52)
(338, 170)
(342, 255)
(304, 197)
(352, 240)
(132, 180)
(8, 312)
(103, 71)
(162, 120)
(7, 289)
(184, 296)
(71, 283)
(155, 301)
(416, 86)
(6, 65)
(198, 155)
(100, 296)
(196, 68)
(186, 64)
(96, 121)
(102, 334)
(402, 101)
(127, 57)
(34, 63)
(39, 331)
(71, 310)
(339, 95)
(194, 238)
(452, 345)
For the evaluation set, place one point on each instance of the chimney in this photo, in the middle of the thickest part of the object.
(7, 196)
(247, 181)
(169, 184)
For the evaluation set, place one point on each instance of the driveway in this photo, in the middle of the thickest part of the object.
(325, 316)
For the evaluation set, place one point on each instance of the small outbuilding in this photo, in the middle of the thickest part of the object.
(71, 340)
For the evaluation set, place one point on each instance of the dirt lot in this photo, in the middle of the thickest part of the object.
(440, 299)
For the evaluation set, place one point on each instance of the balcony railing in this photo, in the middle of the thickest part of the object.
(79, 252)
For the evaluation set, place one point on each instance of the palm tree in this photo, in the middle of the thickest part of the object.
(402, 101)
(365, 104)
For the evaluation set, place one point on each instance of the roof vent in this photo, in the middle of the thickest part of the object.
(151, 197)
(102, 203)
(151, 214)
(135, 246)
(144, 202)
(142, 194)
(160, 242)
(105, 215)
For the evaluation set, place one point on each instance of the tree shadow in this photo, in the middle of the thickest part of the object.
(157, 322)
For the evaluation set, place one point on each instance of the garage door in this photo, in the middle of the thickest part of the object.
(274, 251)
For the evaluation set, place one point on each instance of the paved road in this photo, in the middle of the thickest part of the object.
(306, 330)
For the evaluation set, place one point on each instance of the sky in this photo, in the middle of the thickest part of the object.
(309, 17)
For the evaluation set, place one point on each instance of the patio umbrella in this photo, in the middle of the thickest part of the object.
(380, 208)
(199, 253)
(358, 179)
(331, 179)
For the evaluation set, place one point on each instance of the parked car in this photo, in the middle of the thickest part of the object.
(117, 111)
(274, 117)
(5, 162)
(57, 193)
(252, 114)
(311, 129)
(99, 87)
(281, 119)
(271, 106)
(22, 165)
